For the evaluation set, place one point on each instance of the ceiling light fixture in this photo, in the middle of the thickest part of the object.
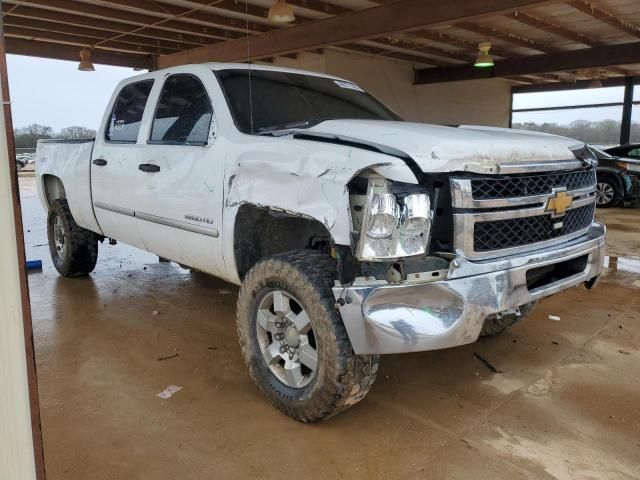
(281, 12)
(85, 61)
(484, 58)
(595, 83)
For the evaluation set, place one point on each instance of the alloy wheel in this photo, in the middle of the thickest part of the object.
(286, 339)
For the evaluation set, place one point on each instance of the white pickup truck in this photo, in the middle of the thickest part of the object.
(351, 232)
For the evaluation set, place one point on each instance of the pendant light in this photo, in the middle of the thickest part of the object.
(85, 64)
(281, 12)
(484, 58)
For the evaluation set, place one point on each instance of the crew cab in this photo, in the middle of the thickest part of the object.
(351, 232)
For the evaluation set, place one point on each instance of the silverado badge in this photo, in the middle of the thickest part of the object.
(559, 203)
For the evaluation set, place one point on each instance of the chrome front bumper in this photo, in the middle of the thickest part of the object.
(420, 315)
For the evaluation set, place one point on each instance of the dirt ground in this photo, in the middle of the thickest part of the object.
(566, 405)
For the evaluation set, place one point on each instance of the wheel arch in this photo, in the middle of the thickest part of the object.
(52, 189)
(610, 173)
(261, 232)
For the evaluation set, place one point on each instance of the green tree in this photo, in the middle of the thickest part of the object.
(27, 137)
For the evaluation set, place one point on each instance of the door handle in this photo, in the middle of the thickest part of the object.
(148, 167)
(101, 162)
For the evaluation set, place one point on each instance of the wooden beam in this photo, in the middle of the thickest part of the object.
(606, 17)
(92, 34)
(492, 33)
(598, 57)
(257, 11)
(377, 51)
(165, 9)
(551, 27)
(469, 46)
(191, 24)
(68, 39)
(33, 48)
(403, 15)
(408, 47)
(66, 19)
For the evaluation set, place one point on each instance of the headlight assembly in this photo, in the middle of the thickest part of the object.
(393, 227)
(384, 215)
(632, 167)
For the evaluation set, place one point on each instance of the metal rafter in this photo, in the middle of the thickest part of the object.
(551, 27)
(397, 43)
(468, 46)
(606, 17)
(35, 48)
(99, 34)
(189, 20)
(513, 38)
(69, 39)
(404, 15)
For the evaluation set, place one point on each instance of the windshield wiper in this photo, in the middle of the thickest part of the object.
(278, 128)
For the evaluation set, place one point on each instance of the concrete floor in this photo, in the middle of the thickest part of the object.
(567, 404)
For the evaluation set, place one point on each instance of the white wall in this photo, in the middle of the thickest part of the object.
(482, 102)
(16, 447)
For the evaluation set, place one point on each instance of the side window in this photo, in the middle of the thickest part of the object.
(184, 112)
(635, 153)
(126, 115)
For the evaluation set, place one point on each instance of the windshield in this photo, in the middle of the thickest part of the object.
(284, 100)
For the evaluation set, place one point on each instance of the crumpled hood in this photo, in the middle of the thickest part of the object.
(448, 149)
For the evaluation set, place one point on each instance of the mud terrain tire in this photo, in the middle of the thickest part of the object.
(341, 378)
(74, 250)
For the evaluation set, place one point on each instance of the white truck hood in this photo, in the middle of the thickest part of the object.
(449, 149)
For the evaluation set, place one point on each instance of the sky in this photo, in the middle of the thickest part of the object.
(57, 94)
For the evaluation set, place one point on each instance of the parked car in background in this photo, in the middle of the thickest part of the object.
(20, 163)
(618, 178)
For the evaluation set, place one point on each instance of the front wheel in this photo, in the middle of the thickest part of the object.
(608, 193)
(293, 339)
(74, 250)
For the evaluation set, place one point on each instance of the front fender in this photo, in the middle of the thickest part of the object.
(308, 179)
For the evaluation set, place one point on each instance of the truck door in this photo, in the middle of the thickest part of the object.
(179, 202)
(115, 184)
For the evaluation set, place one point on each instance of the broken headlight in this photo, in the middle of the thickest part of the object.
(393, 226)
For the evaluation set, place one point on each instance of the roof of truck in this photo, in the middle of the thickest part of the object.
(270, 68)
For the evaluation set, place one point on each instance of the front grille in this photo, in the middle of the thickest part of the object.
(490, 188)
(516, 232)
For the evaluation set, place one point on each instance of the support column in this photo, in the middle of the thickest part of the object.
(625, 127)
(20, 436)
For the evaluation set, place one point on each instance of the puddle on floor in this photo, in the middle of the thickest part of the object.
(622, 264)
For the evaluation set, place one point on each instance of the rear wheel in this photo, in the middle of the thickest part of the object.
(495, 325)
(608, 192)
(293, 339)
(74, 250)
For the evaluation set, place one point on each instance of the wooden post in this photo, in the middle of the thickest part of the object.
(21, 455)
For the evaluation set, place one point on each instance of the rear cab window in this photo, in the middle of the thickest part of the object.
(126, 115)
(183, 114)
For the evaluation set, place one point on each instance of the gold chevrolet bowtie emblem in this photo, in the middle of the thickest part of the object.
(559, 204)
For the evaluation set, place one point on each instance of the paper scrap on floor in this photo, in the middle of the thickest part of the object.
(169, 391)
